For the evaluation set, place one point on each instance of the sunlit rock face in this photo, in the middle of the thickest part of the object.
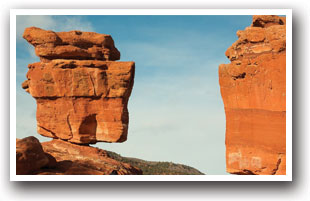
(81, 92)
(253, 88)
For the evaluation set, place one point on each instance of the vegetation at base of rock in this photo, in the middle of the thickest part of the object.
(156, 168)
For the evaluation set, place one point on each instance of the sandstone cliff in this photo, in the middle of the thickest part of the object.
(81, 92)
(253, 88)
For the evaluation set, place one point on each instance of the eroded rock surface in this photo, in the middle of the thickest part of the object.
(79, 45)
(29, 155)
(253, 88)
(81, 92)
(58, 157)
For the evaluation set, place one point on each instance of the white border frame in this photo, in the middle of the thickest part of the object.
(287, 12)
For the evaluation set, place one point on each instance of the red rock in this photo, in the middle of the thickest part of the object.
(58, 157)
(71, 45)
(82, 101)
(82, 97)
(267, 20)
(29, 156)
(253, 88)
(79, 160)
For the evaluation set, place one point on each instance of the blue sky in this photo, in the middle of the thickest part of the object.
(176, 110)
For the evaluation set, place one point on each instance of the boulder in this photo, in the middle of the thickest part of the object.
(29, 155)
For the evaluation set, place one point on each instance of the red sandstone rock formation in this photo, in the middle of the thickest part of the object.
(81, 92)
(71, 45)
(253, 88)
(58, 157)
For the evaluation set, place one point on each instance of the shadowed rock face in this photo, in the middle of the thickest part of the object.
(81, 92)
(29, 155)
(253, 88)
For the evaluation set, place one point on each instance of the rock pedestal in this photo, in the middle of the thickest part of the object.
(58, 157)
(253, 88)
(80, 90)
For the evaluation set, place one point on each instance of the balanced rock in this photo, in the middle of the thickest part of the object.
(253, 88)
(81, 94)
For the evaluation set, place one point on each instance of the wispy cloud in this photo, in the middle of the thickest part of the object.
(170, 51)
(23, 21)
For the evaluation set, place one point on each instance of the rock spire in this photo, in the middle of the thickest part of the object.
(253, 88)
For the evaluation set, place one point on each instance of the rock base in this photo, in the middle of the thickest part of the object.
(58, 157)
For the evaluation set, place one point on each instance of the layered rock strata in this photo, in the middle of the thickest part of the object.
(253, 88)
(81, 92)
(58, 157)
